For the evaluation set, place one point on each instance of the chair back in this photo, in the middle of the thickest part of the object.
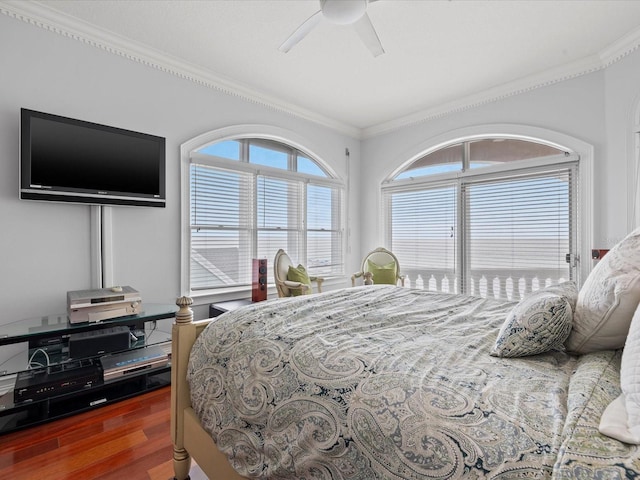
(381, 257)
(281, 264)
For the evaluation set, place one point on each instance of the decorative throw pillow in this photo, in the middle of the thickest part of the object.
(299, 274)
(608, 299)
(621, 419)
(383, 274)
(568, 290)
(538, 323)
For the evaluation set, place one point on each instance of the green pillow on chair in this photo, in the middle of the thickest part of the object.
(298, 274)
(383, 274)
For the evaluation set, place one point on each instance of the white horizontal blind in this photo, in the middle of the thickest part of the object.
(239, 215)
(494, 235)
(423, 235)
(324, 230)
(251, 197)
(221, 213)
(278, 216)
(518, 233)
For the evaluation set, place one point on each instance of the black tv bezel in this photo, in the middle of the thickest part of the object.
(82, 195)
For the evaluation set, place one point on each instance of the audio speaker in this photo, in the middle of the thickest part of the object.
(98, 342)
(259, 282)
(598, 253)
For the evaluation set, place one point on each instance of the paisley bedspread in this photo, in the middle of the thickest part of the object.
(381, 382)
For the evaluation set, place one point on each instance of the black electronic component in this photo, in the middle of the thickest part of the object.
(97, 342)
(40, 383)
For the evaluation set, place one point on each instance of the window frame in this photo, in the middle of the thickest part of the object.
(257, 133)
(583, 151)
(463, 183)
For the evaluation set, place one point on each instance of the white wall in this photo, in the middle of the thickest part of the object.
(622, 105)
(596, 108)
(45, 248)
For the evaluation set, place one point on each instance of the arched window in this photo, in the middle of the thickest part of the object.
(491, 216)
(249, 197)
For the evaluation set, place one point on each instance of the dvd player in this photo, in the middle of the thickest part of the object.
(133, 361)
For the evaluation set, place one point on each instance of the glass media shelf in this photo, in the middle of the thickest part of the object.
(58, 324)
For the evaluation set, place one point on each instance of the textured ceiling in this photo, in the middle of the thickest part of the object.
(437, 52)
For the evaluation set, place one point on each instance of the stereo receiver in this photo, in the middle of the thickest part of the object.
(102, 304)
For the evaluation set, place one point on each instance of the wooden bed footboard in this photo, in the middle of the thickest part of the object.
(189, 439)
(183, 334)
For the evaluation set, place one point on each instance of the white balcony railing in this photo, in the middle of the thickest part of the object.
(488, 283)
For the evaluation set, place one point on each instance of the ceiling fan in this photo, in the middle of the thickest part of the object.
(340, 12)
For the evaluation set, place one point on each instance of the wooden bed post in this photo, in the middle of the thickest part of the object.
(182, 340)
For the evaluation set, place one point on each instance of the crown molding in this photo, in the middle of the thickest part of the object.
(44, 17)
(623, 47)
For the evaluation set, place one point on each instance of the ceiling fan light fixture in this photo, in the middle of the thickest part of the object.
(340, 12)
(343, 12)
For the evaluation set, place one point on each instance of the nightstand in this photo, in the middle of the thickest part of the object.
(217, 309)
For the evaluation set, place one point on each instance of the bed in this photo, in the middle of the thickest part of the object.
(384, 382)
(339, 405)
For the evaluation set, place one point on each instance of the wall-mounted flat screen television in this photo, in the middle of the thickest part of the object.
(68, 160)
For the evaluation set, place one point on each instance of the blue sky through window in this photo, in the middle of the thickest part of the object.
(308, 166)
(229, 149)
(268, 157)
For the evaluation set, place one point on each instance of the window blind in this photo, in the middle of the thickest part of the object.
(221, 206)
(424, 235)
(324, 231)
(236, 215)
(496, 235)
(518, 233)
(278, 216)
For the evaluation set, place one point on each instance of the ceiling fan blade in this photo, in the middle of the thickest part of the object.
(368, 34)
(301, 32)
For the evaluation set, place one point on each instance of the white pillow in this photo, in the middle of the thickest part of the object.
(540, 322)
(607, 299)
(621, 419)
(613, 422)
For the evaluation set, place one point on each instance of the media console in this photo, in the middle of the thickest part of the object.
(51, 368)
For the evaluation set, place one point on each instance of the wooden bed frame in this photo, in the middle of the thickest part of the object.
(189, 439)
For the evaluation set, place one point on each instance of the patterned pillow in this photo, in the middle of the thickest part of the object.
(608, 299)
(539, 323)
(569, 290)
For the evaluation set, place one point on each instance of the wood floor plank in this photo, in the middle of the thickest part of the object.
(137, 467)
(15, 453)
(162, 471)
(68, 461)
(132, 463)
(127, 439)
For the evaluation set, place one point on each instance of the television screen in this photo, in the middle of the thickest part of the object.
(68, 160)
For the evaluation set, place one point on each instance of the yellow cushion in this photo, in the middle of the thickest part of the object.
(383, 274)
(298, 274)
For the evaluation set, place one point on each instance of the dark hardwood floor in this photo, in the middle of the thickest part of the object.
(126, 440)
